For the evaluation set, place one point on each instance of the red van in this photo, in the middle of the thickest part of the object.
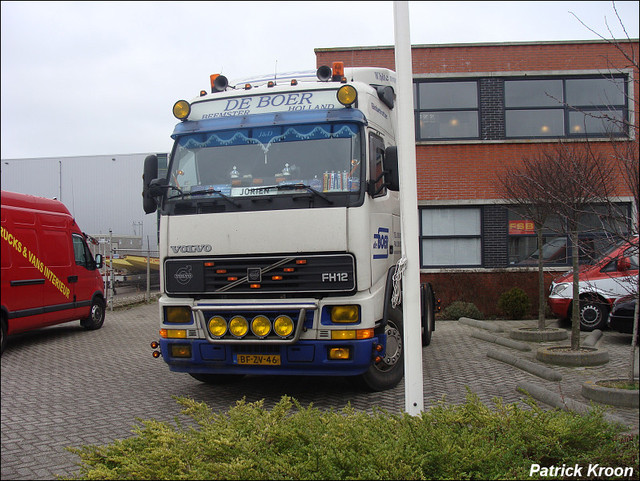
(49, 275)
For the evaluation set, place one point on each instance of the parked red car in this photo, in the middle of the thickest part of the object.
(611, 277)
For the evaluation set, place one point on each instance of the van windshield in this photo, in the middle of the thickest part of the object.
(251, 162)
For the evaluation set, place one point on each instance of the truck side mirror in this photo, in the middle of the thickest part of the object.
(392, 176)
(99, 261)
(623, 264)
(150, 172)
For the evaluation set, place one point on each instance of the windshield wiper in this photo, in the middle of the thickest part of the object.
(307, 187)
(209, 191)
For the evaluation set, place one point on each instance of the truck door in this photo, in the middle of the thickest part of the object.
(83, 280)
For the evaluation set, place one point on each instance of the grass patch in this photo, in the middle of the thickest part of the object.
(469, 441)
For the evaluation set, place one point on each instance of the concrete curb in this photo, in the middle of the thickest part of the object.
(530, 367)
(592, 339)
(563, 356)
(520, 346)
(535, 335)
(557, 401)
(611, 396)
(481, 324)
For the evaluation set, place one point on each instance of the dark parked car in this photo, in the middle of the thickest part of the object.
(621, 317)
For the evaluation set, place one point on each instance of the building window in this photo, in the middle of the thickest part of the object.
(565, 107)
(450, 237)
(447, 110)
(598, 229)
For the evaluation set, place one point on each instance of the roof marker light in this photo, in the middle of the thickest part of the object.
(338, 70)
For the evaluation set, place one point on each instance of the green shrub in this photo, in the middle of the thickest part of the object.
(514, 303)
(468, 441)
(458, 309)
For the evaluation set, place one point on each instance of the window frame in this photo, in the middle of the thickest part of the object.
(418, 111)
(479, 236)
(567, 110)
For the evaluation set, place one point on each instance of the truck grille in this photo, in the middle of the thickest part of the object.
(300, 274)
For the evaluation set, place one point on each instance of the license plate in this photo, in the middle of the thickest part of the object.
(259, 359)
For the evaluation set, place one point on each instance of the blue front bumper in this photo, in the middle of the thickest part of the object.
(305, 357)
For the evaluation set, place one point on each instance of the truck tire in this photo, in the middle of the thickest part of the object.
(593, 314)
(96, 315)
(216, 378)
(387, 373)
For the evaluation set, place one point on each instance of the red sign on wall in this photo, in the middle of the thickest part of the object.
(521, 227)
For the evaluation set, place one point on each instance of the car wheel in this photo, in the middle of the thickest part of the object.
(387, 373)
(593, 314)
(96, 315)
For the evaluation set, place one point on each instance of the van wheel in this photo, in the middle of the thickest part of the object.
(593, 314)
(3, 333)
(96, 316)
(387, 373)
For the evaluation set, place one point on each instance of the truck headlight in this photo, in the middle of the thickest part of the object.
(283, 326)
(238, 326)
(345, 314)
(261, 326)
(217, 326)
(177, 314)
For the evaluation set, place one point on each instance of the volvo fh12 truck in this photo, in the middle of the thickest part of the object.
(279, 230)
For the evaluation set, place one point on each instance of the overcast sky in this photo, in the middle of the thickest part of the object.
(101, 77)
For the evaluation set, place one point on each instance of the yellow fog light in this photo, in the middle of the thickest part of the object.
(283, 326)
(181, 109)
(261, 326)
(345, 314)
(347, 95)
(217, 326)
(343, 335)
(177, 314)
(238, 326)
(342, 353)
(180, 350)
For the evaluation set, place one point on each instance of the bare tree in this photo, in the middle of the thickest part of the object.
(565, 180)
(625, 151)
(523, 186)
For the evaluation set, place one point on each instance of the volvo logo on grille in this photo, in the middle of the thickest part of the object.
(254, 274)
(183, 275)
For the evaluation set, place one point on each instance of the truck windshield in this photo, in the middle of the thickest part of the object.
(250, 162)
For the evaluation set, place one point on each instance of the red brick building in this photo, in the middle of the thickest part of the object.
(480, 108)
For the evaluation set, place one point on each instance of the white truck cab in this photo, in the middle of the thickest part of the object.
(280, 230)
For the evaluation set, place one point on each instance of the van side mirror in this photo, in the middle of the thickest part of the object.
(99, 261)
(623, 264)
(392, 175)
(150, 173)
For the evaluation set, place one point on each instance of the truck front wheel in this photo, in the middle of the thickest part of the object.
(387, 373)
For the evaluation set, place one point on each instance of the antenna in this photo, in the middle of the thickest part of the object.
(275, 73)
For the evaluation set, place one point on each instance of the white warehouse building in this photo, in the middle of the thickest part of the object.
(102, 192)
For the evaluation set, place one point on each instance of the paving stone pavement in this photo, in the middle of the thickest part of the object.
(63, 386)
